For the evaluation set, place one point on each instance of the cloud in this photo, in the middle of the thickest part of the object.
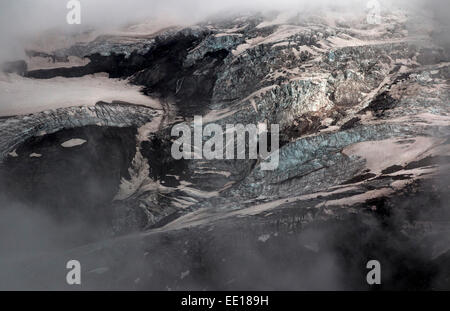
(22, 20)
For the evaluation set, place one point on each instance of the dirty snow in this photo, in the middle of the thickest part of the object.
(382, 154)
(35, 63)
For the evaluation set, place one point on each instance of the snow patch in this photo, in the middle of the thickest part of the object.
(184, 274)
(385, 153)
(73, 143)
(23, 95)
(263, 238)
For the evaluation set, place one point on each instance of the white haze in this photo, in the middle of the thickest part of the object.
(21, 20)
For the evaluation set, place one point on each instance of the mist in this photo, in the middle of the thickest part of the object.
(21, 21)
